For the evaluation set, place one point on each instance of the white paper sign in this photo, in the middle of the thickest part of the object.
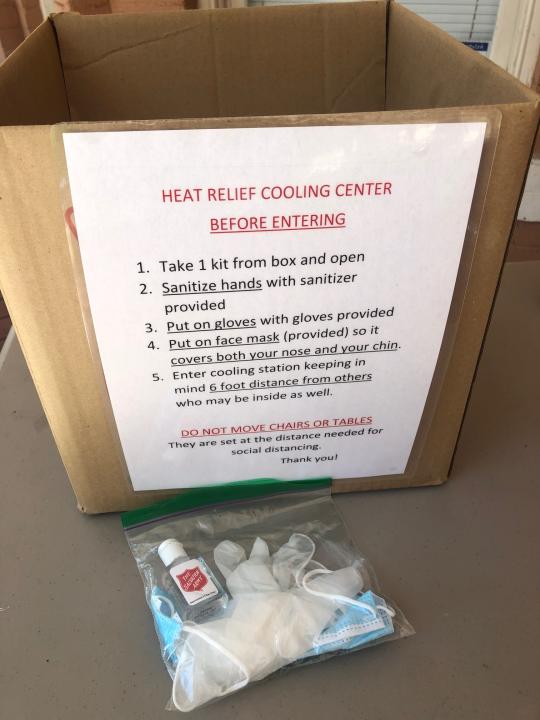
(270, 302)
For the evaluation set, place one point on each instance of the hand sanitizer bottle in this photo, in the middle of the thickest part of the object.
(200, 593)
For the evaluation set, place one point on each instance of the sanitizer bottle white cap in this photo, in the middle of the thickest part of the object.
(170, 550)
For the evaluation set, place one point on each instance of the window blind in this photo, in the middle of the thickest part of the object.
(470, 21)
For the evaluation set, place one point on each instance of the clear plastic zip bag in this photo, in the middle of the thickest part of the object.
(246, 579)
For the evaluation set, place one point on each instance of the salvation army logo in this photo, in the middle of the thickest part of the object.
(192, 579)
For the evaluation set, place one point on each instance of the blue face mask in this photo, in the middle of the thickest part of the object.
(167, 622)
(355, 626)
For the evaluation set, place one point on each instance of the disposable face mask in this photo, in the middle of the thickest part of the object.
(167, 622)
(277, 612)
(355, 626)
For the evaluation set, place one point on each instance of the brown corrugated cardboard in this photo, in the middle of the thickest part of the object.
(313, 62)
(32, 88)
(248, 62)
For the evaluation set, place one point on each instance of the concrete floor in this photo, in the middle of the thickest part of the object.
(461, 560)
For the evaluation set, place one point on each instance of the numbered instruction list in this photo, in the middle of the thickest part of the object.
(270, 302)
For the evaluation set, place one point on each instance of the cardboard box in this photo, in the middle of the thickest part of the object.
(363, 62)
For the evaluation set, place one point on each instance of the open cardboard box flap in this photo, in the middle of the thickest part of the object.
(355, 57)
(373, 58)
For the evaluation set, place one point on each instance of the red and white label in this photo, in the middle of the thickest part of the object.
(193, 581)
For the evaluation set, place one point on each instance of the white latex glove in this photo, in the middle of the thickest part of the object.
(291, 559)
(221, 656)
(244, 576)
(262, 573)
(227, 556)
(261, 632)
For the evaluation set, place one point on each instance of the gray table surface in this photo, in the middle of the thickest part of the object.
(462, 560)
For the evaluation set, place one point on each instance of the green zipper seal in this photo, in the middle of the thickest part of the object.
(195, 498)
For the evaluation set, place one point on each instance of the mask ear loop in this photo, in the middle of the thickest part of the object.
(343, 598)
(193, 629)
